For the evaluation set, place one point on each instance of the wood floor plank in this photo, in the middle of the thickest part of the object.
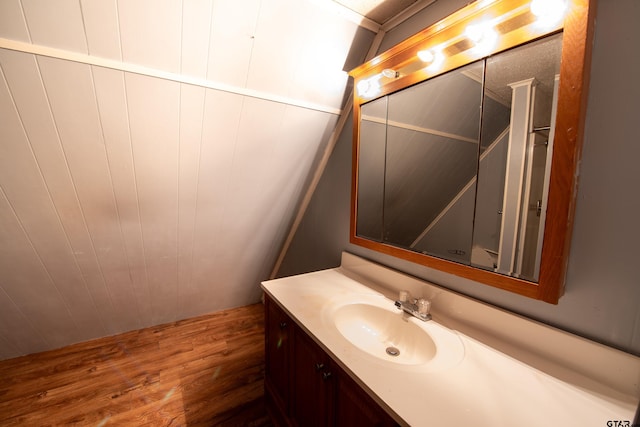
(204, 371)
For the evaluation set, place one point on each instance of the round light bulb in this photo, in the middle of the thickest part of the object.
(426, 56)
(483, 36)
(390, 73)
(369, 87)
(549, 12)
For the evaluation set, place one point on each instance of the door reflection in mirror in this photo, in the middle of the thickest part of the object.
(513, 174)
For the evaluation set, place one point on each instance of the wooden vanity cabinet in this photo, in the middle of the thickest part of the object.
(278, 351)
(304, 386)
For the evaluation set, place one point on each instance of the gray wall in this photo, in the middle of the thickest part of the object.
(602, 294)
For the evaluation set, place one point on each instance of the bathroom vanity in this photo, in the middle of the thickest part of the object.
(328, 332)
(305, 386)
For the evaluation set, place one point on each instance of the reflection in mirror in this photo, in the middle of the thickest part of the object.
(373, 129)
(432, 156)
(516, 147)
(457, 167)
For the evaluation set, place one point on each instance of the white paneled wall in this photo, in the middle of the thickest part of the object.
(152, 155)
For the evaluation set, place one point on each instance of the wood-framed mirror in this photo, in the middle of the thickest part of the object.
(467, 138)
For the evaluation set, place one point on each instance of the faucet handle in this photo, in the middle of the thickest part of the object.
(423, 306)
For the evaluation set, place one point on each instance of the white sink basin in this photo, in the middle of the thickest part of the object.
(374, 326)
(385, 334)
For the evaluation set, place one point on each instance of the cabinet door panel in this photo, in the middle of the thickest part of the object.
(354, 407)
(313, 383)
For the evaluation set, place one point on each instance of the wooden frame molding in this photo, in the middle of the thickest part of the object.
(577, 30)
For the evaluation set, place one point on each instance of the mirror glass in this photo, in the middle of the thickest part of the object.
(457, 166)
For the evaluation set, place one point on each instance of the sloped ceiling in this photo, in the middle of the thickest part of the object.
(153, 154)
(380, 11)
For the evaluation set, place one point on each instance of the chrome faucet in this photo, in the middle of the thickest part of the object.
(417, 307)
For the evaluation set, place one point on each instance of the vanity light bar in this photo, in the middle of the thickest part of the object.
(476, 31)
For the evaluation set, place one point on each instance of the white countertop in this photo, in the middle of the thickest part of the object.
(483, 387)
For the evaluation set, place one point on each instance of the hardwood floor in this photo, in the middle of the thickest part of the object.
(205, 371)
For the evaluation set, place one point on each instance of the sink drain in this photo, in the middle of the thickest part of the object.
(392, 351)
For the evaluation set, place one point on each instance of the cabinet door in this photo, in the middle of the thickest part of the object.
(313, 383)
(278, 347)
(354, 407)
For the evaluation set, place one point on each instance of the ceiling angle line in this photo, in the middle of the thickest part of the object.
(348, 14)
(398, 19)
